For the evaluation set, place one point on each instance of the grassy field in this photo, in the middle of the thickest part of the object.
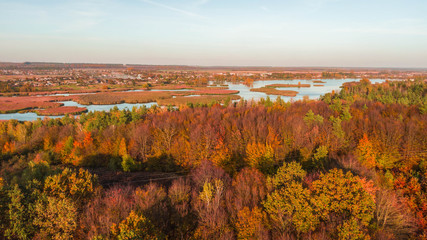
(15, 104)
(126, 97)
(273, 91)
(215, 92)
(170, 87)
(287, 85)
(178, 101)
(57, 111)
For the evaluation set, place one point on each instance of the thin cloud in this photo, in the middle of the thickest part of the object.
(178, 10)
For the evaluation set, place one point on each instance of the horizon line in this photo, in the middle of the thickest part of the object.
(216, 66)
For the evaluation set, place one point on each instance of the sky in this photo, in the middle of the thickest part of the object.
(329, 33)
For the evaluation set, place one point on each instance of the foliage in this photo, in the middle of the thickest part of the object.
(19, 216)
(343, 194)
(350, 166)
(76, 185)
(56, 217)
(250, 224)
(135, 227)
(311, 119)
(290, 208)
(128, 164)
(260, 156)
(287, 174)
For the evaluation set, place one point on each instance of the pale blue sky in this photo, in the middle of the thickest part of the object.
(355, 33)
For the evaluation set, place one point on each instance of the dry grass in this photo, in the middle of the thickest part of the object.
(287, 85)
(61, 111)
(15, 104)
(171, 87)
(210, 88)
(318, 85)
(318, 81)
(125, 97)
(196, 100)
(215, 92)
(273, 91)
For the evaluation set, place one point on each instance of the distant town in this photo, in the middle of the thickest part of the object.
(16, 78)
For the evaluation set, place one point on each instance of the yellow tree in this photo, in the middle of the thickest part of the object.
(365, 152)
(56, 217)
(123, 148)
(76, 185)
(250, 224)
(341, 200)
(260, 156)
(135, 226)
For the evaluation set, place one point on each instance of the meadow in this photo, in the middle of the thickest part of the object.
(273, 91)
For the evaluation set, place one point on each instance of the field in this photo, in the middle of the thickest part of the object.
(58, 111)
(287, 85)
(273, 91)
(15, 104)
(178, 101)
(145, 96)
(170, 87)
(126, 97)
(215, 92)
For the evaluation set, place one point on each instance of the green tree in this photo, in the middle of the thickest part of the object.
(311, 119)
(129, 164)
(336, 127)
(289, 205)
(290, 209)
(20, 221)
(320, 157)
(289, 172)
(4, 201)
(345, 115)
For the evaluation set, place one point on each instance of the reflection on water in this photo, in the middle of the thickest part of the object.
(107, 108)
(313, 92)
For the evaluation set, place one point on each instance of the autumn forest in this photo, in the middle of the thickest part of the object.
(351, 165)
